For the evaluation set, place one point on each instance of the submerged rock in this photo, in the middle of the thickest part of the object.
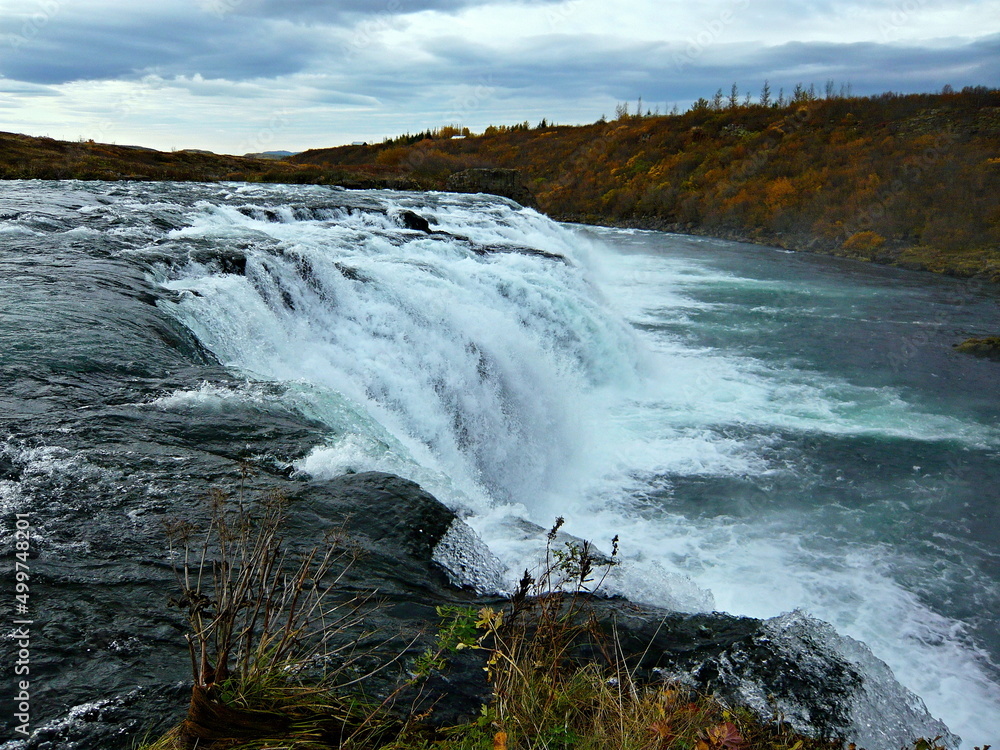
(988, 347)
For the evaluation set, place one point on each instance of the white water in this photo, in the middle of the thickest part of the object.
(514, 386)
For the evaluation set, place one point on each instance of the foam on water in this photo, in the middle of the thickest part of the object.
(508, 384)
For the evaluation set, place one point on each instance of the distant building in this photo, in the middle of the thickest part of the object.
(360, 143)
(458, 137)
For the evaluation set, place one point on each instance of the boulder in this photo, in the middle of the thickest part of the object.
(416, 555)
(420, 555)
(822, 683)
(414, 221)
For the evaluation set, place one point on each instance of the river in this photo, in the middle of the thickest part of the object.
(765, 431)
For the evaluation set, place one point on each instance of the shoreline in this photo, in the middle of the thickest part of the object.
(983, 269)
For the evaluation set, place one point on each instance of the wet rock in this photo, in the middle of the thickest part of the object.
(397, 527)
(414, 221)
(988, 347)
(823, 684)
(109, 722)
(519, 249)
(391, 517)
(9, 471)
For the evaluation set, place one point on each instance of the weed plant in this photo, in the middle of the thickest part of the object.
(267, 667)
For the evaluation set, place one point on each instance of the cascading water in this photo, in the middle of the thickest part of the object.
(463, 352)
(726, 410)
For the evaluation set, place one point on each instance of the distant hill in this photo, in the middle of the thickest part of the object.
(271, 155)
(910, 180)
(28, 157)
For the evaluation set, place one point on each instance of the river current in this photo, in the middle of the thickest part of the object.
(765, 431)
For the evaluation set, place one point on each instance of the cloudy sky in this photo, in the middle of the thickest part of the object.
(249, 75)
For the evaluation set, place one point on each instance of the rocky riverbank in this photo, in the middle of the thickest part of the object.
(419, 557)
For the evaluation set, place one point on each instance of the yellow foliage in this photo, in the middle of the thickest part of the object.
(864, 241)
(392, 157)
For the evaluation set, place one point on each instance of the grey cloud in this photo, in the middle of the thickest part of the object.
(873, 68)
(269, 59)
(71, 48)
(349, 11)
(21, 88)
(234, 39)
(568, 67)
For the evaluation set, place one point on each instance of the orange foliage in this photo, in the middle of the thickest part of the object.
(864, 241)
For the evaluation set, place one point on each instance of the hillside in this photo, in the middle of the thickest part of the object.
(27, 157)
(909, 180)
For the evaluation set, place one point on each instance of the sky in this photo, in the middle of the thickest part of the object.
(239, 76)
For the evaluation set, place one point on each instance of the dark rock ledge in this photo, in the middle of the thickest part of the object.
(416, 550)
(503, 182)
(418, 555)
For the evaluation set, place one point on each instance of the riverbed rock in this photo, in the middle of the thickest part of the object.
(822, 683)
(415, 221)
(414, 555)
(988, 347)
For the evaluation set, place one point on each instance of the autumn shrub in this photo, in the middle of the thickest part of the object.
(864, 242)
